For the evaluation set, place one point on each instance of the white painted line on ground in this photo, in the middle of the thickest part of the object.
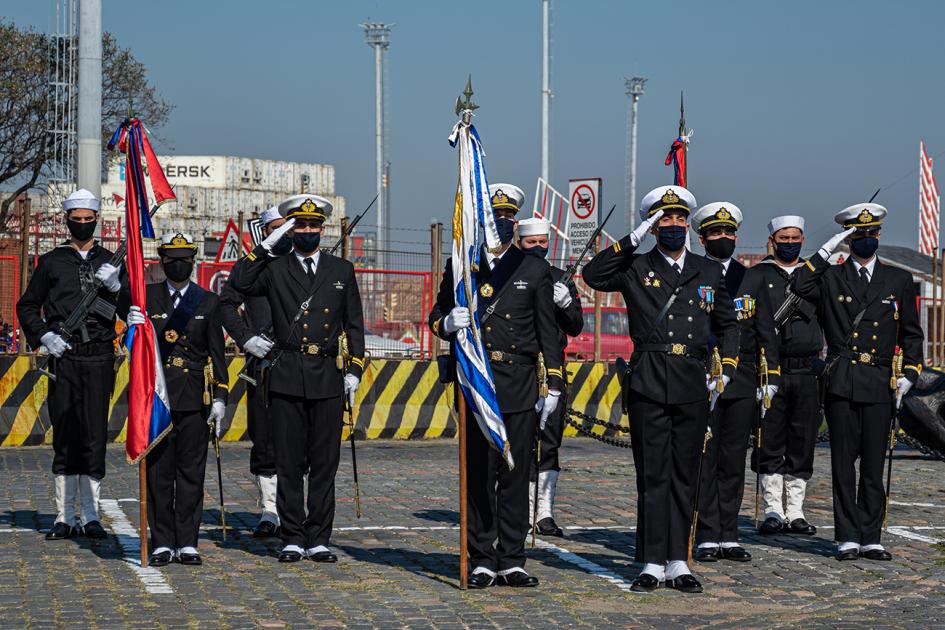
(906, 504)
(905, 533)
(591, 567)
(130, 543)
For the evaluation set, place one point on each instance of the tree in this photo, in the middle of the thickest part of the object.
(26, 58)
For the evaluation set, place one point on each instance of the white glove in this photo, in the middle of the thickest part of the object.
(458, 318)
(713, 386)
(637, 236)
(217, 412)
(55, 344)
(549, 404)
(903, 385)
(562, 295)
(107, 274)
(351, 388)
(135, 316)
(831, 246)
(258, 346)
(769, 391)
(277, 233)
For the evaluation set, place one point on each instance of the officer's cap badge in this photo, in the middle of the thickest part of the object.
(670, 197)
(486, 290)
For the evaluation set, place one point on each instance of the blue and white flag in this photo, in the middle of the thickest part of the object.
(473, 208)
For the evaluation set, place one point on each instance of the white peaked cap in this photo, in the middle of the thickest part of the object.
(533, 226)
(785, 221)
(506, 196)
(270, 215)
(667, 198)
(81, 199)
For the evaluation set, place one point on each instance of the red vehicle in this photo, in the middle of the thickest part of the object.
(614, 338)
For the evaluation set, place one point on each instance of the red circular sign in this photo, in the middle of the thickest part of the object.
(583, 201)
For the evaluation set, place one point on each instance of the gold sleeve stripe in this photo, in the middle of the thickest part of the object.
(436, 327)
(917, 368)
(554, 371)
(358, 361)
(616, 247)
(809, 266)
(776, 370)
(225, 386)
(251, 256)
(730, 361)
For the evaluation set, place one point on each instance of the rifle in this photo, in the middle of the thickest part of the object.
(252, 361)
(209, 382)
(572, 267)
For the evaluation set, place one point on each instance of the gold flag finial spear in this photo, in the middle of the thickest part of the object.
(466, 107)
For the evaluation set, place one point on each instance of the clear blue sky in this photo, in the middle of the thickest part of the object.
(801, 107)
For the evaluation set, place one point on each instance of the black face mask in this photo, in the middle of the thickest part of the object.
(506, 229)
(178, 270)
(282, 247)
(672, 237)
(787, 252)
(81, 231)
(720, 248)
(865, 247)
(540, 252)
(306, 242)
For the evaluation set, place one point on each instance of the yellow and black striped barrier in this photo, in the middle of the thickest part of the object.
(401, 400)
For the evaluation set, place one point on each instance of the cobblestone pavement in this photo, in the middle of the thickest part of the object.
(398, 564)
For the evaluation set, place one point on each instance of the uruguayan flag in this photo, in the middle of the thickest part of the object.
(473, 209)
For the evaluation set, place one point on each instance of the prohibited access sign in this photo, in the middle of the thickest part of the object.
(584, 201)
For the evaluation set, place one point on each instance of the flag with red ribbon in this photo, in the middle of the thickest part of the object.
(677, 157)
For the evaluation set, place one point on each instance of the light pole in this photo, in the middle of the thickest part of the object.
(546, 90)
(634, 87)
(378, 36)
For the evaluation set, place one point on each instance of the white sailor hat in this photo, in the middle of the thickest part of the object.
(81, 199)
(506, 196)
(177, 245)
(270, 215)
(667, 198)
(306, 207)
(533, 226)
(717, 214)
(785, 221)
(862, 215)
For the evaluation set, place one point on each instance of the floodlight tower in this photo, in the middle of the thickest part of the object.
(377, 35)
(89, 127)
(545, 89)
(634, 87)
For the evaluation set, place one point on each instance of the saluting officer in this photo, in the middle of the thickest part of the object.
(789, 429)
(737, 411)
(248, 330)
(316, 308)
(85, 370)
(674, 298)
(187, 325)
(533, 240)
(519, 335)
(867, 310)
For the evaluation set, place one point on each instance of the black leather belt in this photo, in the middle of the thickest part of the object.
(789, 364)
(183, 364)
(673, 349)
(91, 349)
(864, 358)
(497, 356)
(310, 349)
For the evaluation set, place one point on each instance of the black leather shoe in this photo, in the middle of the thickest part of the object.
(94, 529)
(801, 526)
(548, 527)
(517, 579)
(323, 556)
(707, 554)
(265, 529)
(160, 559)
(289, 556)
(645, 583)
(60, 531)
(848, 554)
(480, 580)
(771, 526)
(685, 583)
(876, 554)
(192, 559)
(736, 554)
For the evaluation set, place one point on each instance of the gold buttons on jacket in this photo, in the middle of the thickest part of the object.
(326, 311)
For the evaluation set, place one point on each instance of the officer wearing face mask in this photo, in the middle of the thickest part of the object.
(737, 412)
(674, 300)
(189, 332)
(315, 305)
(867, 309)
(79, 397)
(789, 428)
(533, 241)
(247, 329)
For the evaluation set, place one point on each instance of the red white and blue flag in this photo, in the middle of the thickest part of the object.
(149, 409)
(677, 157)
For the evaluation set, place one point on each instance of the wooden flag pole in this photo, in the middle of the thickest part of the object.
(143, 509)
(463, 490)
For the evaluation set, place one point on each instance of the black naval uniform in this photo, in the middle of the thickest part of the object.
(521, 327)
(305, 387)
(859, 402)
(187, 336)
(789, 429)
(737, 412)
(570, 323)
(668, 404)
(85, 375)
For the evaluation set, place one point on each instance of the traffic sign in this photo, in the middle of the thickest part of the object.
(585, 199)
(231, 247)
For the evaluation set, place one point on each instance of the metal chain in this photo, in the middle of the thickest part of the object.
(581, 428)
(903, 438)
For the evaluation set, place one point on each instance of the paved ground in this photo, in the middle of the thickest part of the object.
(398, 564)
